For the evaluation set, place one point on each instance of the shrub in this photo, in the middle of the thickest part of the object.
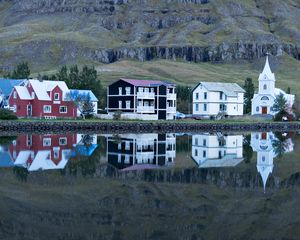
(278, 117)
(6, 114)
(117, 115)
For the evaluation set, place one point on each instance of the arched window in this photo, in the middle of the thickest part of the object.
(264, 98)
(265, 87)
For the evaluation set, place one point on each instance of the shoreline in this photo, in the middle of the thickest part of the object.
(11, 127)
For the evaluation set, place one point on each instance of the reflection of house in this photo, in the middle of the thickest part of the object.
(141, 151)
(212, 98)
(217, 150)
(85, 145)
(42, 152)
(144, 99)
(263, 101)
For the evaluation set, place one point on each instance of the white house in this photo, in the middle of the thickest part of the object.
(263, 101)
(217, 150)
(211, 98)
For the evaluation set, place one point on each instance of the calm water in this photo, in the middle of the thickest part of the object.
(150, 186)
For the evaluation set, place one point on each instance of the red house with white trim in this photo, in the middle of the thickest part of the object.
(42, 99)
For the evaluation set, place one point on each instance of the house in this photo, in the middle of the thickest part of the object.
(141, 151)
(213, 98)
(6, 87)
(42, 152)
(142, 99)
(217, 150)
(85, 145)
(93, 98)
(42, 99)
(263, 101)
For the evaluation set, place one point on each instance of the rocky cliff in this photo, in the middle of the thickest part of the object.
(55, 32)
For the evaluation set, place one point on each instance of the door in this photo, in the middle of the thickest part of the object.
(264, 110)
(264, 136)
(29, 111)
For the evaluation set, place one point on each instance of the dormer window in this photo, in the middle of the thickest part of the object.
(265, 87)
(33, 95)
(15, 95)
(56, 96)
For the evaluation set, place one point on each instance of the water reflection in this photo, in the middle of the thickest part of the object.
(198, 154)
(217, 150)
(141, 151)
(46, 152)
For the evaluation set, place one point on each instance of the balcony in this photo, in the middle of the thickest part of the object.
(145, 109)
(144, 157)
(171, 109)
(171, 96)
(145, 95)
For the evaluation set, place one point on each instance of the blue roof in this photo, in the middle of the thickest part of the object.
(5, 160)
(7, 85)
(84, 150)
(86, 92)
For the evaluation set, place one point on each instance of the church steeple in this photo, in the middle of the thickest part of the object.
(267, 73)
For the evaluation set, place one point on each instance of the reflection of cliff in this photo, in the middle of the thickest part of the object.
(141, 151)
(217, 150)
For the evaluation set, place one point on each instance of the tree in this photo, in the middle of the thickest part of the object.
(62, 74)
(288, 90)
(280, 104)
(22, 71)
(249, 88)
(82, 102)
(73, 80)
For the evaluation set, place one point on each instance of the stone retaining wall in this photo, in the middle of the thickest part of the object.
(10, 127)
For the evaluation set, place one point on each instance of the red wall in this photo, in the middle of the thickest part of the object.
(38, 106)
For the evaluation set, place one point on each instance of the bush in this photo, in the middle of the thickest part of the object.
(117, 115)
(278, 117)
(6, 114)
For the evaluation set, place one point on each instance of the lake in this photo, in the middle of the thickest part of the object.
(150, 186)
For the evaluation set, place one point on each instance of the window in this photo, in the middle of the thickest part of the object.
(120, 104)
(119, 146)
(205, 95)
(56, 153)
(127, 104)
(120, 90)
(15, 109)
(204, 154)
(127, 145)
(127, 159)
(15, 95)
(264, 98)
(47, 109)
(46, 142)
(204, 142)
(222, 107)
(257, 109)
(152, 90)
(63, 109)
(221, 95)
(197, 107)
(63, 141)
(265, 87)
(205, 107)
(196, 152)
(196, 141)
(119, 158)
(32, 95)
(197, 96)
(263, 158)
(56, 96)
(29, 140)
(127, 90)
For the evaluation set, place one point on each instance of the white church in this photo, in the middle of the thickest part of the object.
(263, 101)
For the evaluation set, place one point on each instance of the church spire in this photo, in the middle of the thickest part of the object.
(267, 72)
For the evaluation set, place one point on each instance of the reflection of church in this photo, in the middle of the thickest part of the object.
(141, 151)
(217, 150)
(262, 143)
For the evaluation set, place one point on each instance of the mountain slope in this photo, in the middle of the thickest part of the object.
(49, 33)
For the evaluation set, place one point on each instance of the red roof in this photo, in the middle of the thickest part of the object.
(146, 83)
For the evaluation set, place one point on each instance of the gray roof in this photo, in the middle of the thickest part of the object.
(230, 89)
